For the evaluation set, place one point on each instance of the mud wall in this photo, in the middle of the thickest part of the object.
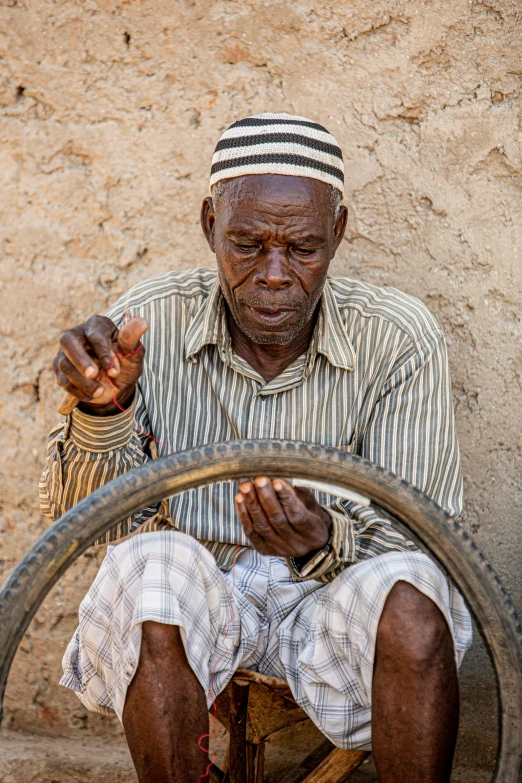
(109, 112)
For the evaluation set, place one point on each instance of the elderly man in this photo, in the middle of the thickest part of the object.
(366, 630)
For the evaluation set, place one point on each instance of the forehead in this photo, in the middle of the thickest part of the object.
(277, 195)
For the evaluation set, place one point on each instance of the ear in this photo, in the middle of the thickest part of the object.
(208, 221)
(340, 226)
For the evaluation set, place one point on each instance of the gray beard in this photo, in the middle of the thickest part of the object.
(273, 339)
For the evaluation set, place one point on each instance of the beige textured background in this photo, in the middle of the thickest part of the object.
(109, 112)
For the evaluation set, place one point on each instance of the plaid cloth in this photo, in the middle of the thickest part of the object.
(319, 637)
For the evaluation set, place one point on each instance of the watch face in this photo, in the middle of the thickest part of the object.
(314, 561)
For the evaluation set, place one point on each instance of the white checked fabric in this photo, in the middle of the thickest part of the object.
(320, 638)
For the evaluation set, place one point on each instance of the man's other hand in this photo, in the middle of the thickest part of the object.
(95, 351)
(280, 520)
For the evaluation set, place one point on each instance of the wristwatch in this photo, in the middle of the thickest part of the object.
(304, 566)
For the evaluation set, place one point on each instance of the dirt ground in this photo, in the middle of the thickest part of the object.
(32, 758)
(29, 758)
(67, 761)
(109, 113)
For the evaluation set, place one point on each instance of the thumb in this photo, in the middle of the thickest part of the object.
(131, 334)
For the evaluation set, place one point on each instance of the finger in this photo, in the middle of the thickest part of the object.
(250, 499)
(244, 516)
(104, 345)
(257, 515)
(286, 494)
(270, 505)
(74, 345)
(131, 334)
(69, 387)
(289, 501)
(255, 538)
(62, 365)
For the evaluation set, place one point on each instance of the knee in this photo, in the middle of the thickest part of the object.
(412, 629)
(161, 643)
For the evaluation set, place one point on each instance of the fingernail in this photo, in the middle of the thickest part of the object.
(98, 392)
(240, 498)
(245, 488)
(91, 372)
(278, 486)
(114, 366)
(261, 482)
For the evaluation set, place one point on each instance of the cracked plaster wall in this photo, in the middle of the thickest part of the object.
(109, 112)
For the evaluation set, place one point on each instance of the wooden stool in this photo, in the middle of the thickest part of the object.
(254, 706)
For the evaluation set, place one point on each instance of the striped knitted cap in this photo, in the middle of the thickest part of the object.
(278, 144)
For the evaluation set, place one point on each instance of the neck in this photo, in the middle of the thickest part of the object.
(269, 360)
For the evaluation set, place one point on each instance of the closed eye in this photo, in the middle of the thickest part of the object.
(304, 251)
(245, 247)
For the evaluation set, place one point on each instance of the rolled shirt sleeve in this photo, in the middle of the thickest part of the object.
(84, 453)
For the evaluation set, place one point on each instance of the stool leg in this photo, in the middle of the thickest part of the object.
(338, 766)
(259, 764)
(327, 764)
(225, 761)
(238, 760)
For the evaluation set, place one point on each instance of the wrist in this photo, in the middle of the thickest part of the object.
(304, 567)
(324, 549)
(109, 409)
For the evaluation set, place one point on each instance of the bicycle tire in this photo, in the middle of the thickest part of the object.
(414, 512)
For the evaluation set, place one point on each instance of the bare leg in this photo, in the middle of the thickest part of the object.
(415, 696)
(165, 711)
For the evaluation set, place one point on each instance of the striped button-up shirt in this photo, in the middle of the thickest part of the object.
(374, 381)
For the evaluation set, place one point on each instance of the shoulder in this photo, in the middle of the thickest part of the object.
(176, 288)
(358, 301)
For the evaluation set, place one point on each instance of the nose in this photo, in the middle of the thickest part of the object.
(273, 272)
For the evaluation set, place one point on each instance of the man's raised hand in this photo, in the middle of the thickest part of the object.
(94, 350)
(280, 520)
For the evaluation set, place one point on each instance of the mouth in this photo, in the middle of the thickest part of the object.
(272, 316)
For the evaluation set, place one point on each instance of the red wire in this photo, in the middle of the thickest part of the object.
(214, 725)
(120, 407)
(127, 317)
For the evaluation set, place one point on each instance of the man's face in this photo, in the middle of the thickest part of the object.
(274, 237)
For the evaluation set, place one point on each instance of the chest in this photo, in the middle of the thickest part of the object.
(191, 404)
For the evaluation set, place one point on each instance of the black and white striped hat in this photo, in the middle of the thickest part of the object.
(278, 144)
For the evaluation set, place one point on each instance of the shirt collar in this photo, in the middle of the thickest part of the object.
(330, 332)
(207, 326)
(330, 338)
